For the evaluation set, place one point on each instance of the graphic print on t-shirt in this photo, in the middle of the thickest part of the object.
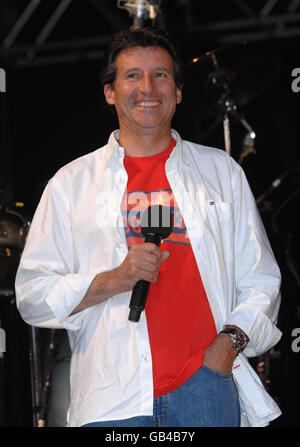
(136, 202)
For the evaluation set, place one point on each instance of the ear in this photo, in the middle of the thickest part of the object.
(178, 94)
(109, 94)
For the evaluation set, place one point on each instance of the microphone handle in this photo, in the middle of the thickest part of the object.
(140, 290)
(138, 300)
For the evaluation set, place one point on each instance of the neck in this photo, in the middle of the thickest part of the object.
(144, 145)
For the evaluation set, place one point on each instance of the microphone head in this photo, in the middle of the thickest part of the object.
(157, 220)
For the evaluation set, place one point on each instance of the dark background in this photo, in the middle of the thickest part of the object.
(54, 111)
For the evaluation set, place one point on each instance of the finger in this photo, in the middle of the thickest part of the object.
(165, 255)
(150, 262)
(149, 252)
(148, 247)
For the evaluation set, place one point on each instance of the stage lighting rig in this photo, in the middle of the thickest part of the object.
(141, 10)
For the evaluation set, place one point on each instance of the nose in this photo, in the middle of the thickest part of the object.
(146, 84)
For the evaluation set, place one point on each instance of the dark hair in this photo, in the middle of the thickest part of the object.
(142, 37)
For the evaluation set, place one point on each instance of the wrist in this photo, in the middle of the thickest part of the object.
(220, 354)
(229, 350)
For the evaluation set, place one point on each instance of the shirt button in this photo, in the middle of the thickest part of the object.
(118, 245)
(144, 358)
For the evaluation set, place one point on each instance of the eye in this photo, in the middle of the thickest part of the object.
(132, 75)
(160, 74)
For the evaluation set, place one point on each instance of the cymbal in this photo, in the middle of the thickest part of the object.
(238, 72)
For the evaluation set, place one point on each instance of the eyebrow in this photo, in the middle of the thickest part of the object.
(156, 68)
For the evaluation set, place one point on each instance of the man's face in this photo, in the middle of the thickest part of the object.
(144, 92)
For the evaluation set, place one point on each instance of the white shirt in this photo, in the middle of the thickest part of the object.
(77, 232)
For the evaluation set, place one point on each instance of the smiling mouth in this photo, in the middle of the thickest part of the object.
(147, 104)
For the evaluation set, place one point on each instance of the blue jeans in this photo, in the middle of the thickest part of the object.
(207, 399)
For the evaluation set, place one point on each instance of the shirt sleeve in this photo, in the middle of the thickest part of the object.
(47, 286)
(257, 275)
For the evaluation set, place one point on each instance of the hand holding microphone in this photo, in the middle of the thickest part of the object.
(140, 267)
(156, 224)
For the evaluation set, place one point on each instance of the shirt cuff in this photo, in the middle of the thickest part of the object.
(66, 295)
(261, 331)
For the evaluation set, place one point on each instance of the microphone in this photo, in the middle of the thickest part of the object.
(141, 10)
(139, 17)
(156, 224)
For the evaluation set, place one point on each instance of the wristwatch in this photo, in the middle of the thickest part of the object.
(238, 339)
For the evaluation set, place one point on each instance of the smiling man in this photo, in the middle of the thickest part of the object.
(214, 283)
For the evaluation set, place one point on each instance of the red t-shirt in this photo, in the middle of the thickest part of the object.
(179, 319)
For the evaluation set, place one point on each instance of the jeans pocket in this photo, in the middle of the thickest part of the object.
(220, 374)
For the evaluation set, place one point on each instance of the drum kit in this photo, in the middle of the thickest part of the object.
(219, 83)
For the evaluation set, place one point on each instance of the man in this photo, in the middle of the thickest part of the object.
(216, 271)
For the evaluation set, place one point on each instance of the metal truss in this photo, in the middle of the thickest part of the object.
(250, 20)
(44, 51)
(259, 20)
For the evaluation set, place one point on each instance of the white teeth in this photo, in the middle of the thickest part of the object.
(148, 104)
